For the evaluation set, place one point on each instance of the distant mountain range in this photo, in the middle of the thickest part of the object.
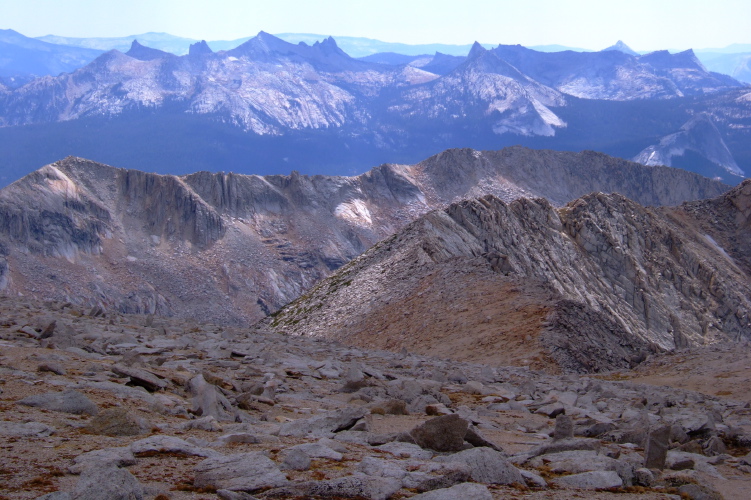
(268, 106)
(731, 60)
(162, 41)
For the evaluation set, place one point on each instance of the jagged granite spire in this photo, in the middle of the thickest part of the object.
(144, 53)
(476, 51)
(200, 48)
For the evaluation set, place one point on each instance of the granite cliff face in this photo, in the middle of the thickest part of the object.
(597, 284)
(699, 135)
(234, 248)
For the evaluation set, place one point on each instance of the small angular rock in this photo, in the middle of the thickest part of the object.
(118, 457)
(467, 491)
(444, 433)
(140, 377)
(208, 401)
(594, 480)
(564, 427)
(406, 450)
(170, 444)
(373, 488)
(295, 459)
(70, 401)
(117, 422)
(323, 425)
(52, 367)
(487, 466)
(29, 429)
(107, 481)
(317, 450)
(656, 450)
(239, 472)
(699, 492)
(644, 477)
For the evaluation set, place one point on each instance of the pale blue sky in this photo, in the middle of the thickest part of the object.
(591, 24)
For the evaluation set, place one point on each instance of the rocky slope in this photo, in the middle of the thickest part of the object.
(233, 248)
(101, 405)
(595, 285)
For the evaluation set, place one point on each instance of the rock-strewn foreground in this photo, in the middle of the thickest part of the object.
(233, 248)
(595, 285)
(102, 405)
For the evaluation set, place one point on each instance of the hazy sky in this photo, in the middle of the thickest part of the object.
(591, 24)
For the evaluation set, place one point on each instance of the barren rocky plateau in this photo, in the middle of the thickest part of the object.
(103, 405)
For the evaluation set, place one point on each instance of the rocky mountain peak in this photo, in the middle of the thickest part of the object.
(662, 59)
(328, 45)
(263, 44)
(324, 55)
(620, 46)
(143, 53)
(688, 58)
(476, 51)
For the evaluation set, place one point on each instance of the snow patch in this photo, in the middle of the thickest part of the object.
(355, 211)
